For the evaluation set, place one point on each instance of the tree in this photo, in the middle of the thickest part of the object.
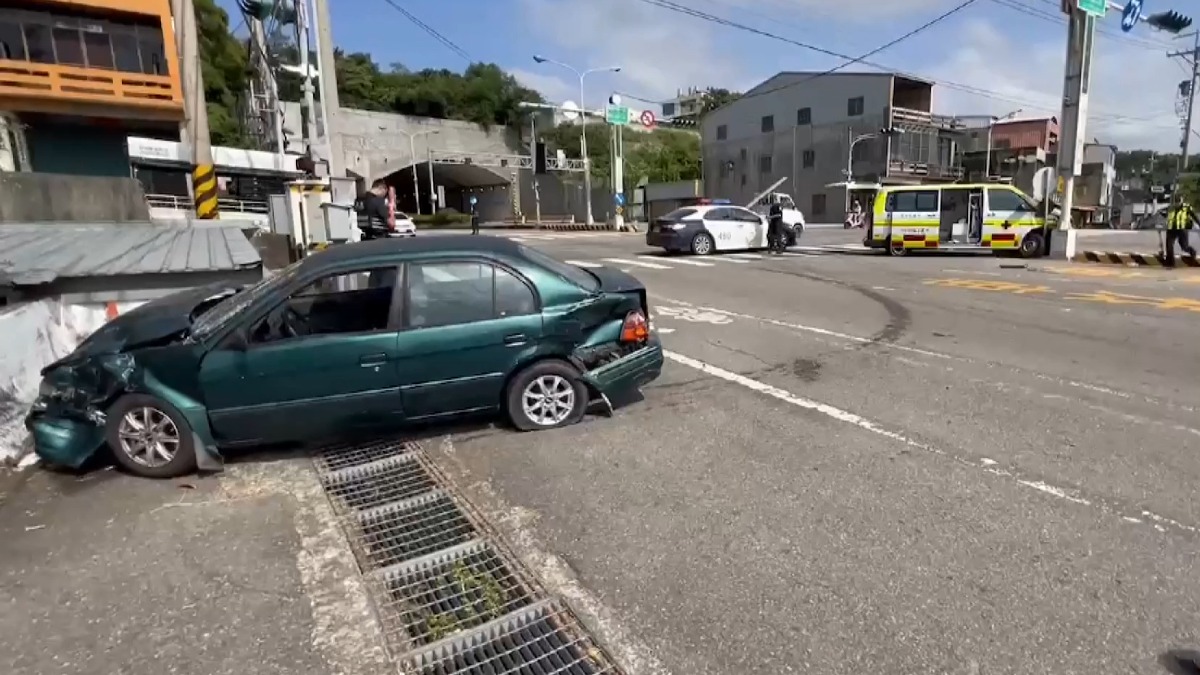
(715, 97)
(659, 156)
(223, 64)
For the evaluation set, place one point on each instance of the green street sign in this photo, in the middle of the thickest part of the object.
(1094, 7)
(616, 114)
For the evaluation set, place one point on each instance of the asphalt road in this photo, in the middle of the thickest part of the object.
(852, 463)
(856, 463)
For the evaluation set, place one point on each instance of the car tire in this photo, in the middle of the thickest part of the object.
(702, 244)
(554, 388)
(1031, 245)
(168, 452)
(896, 248)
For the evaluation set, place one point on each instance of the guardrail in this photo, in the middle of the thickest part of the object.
(228, 204)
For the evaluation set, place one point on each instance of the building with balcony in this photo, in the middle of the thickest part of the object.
(77, 77)
(801, 126)
(686, 105)
(1019, 148)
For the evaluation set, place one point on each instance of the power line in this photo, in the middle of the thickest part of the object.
(430, 30)
(977, 91)
(1058, 19)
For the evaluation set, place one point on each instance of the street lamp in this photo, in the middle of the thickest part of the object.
(987, 162)
(587, 165)
(886, 131)
(412, 153)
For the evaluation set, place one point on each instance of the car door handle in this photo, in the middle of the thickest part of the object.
(372, 360)
(514, 340)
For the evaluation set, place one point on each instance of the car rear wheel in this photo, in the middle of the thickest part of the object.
(149, 437)
(702, 243)
(546, 395)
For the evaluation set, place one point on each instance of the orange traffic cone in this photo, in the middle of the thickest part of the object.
(110, 311)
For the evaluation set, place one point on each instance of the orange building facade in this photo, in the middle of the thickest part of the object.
(77, 77)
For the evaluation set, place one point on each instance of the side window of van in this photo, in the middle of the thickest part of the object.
(927, 201)
(906, 202)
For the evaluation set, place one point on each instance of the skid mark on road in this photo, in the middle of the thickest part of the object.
(989, 466)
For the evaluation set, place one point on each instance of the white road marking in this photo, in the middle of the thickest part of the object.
(745, 256)
(583, 263)
(664, 330)
(726, 259)
(626, 261)
(681, 261)
(1161, 522)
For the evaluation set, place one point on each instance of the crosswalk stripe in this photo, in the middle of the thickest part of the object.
(583, 263)
(681, 261)
(745, 256)
(626, 261)
(727, 259)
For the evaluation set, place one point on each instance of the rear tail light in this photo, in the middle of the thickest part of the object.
(636, 328)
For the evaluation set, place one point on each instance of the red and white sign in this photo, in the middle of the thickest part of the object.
(647, 119)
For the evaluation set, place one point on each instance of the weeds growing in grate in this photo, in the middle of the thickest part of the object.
(426, 524)
(453, 593)
(346, 456)
(377, 484)
(538, 645)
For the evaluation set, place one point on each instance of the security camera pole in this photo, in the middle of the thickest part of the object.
(587, 164)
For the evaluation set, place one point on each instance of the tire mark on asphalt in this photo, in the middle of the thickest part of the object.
(899, 317)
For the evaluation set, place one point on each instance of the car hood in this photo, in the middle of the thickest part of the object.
(163, 320)
(615, 281)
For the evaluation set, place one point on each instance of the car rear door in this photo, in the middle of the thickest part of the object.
(468, 323)
(338, 375)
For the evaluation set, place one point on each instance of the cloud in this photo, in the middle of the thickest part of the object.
(658, 52)
(552, 88)
(1132, 94)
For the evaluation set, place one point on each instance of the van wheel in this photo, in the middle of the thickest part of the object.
(1031, 245)
(149, 437)
(546, 395)
(896, 248)
(702, 243)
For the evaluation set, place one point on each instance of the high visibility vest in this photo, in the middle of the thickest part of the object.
(1180, 217)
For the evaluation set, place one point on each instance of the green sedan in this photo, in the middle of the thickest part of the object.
(350, 342)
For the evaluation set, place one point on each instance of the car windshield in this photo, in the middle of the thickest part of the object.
(576, 275)
(221, 313)
(679, 214)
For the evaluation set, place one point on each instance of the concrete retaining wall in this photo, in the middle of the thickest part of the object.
(48, 197)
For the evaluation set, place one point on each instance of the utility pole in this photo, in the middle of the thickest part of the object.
(204, 173)
(1081, 34)
(330, 105)
(306, 71)
(1193, 56)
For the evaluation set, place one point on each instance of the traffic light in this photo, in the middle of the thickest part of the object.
(1170, 21)
(539, 158)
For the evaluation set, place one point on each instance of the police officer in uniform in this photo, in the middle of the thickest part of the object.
(1179, 220)
(776, 238)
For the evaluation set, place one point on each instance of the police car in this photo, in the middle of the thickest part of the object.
(711, 225)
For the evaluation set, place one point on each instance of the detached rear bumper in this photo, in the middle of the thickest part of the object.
(629, 372)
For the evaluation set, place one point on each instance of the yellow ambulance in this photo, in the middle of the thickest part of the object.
(956, 217)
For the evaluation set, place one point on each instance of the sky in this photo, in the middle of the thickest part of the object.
(992, 57)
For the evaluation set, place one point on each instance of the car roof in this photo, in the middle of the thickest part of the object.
(433, 243)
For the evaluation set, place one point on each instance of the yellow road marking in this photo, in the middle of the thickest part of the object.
(1103, 297)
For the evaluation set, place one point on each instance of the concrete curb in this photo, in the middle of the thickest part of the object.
(1130, 259)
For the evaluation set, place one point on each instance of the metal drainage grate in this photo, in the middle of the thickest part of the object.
(541, 640)
(448, 592)
(380, 482)
(411, 528)
(346, 456)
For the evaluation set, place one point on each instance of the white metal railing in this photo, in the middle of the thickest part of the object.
(178, 203)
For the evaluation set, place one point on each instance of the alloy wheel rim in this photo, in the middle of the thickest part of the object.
(702, 245)
(548, 400)
(149, 437)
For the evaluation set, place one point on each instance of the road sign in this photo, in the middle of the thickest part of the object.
(620, 199)
(647, 119)
(616, 114)
(1131, 14)
(1094, 7)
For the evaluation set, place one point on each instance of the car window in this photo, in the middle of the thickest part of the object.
(679, 214)
(717, 214)
(571, 273)
(513, 297)
(1006, 200)
(745, 215)
(344, 302)
(219, 315)
(449, 293)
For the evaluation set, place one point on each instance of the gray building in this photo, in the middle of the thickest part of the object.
(801, 126)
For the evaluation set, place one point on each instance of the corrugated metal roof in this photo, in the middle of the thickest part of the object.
(39, 253)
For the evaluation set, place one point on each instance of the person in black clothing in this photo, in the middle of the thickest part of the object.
(374, 205)
(474, 220)
(776, 237)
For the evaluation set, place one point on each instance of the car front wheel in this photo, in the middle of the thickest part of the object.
(546, 395)
(149, 437)
(702, 244)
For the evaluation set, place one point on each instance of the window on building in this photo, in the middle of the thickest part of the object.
(803, 116)
(68, 46)
(1001, 144)
(855, 106)
(126, 56)
(743, 180)
(98, 50)
(764, 164)
(38, 44)
(768, 124)
(668, 110)
(722, 132)
(808, 158)
(818, 205)
(150, 45)
(12, 43)
(742, 154)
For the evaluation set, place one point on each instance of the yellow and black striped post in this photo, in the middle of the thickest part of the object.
(204, 187)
